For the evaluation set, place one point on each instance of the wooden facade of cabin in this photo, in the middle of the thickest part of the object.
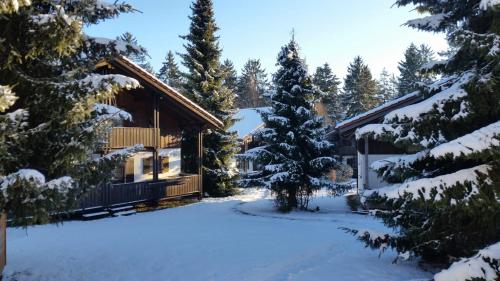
(166, 167)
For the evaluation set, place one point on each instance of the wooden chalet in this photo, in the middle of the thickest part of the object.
(248, 122)
(360, 154)
(166, 168)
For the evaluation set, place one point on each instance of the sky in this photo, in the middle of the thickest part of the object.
(333, 31)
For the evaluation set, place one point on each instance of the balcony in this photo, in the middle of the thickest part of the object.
(136, 192)
(121, 137)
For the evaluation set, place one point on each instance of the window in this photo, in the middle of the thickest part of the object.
(165, 162)
(147, 166)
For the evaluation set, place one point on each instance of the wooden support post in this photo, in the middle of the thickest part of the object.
(366, 168)
(200, 160)
(156, 135)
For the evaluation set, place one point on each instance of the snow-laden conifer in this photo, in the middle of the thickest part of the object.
(204, 85)
(295, 155)
(444, 199)
(50, 126)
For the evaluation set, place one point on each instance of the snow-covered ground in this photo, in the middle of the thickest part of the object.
(238, 238)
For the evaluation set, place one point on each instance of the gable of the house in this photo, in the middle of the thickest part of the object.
(160, 118)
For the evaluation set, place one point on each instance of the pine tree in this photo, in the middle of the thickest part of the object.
(52, 118)
(295, 151)
(328, 83)
(170, 73)
(252, 85)
(388, 86)
(141, 57)
(360, 89)
(204, 85)
(410, 75)
(444, 199)
(230, 75)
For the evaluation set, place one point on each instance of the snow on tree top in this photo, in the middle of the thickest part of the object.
(120, 46)
(248, 120)
(377, 109)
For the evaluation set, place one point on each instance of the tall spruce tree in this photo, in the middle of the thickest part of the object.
(170, 73)
(444, 200)
(252, 85)
(295, 152)
(360, 89)
(411, 76)
(204, 85)
(387, 86)
(141, 57)
(52, 121)
(328, 83)
(230, 75)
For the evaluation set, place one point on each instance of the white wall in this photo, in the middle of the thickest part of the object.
(374, 181)
(138, 166)
(174, 164)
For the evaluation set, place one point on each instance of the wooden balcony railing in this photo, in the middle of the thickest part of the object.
(135, 192)
(121, 137)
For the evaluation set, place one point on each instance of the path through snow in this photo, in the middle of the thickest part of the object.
(239, 238)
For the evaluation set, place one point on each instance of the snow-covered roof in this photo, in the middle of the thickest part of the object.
(389, 106)
(249, 120)
(169, 91)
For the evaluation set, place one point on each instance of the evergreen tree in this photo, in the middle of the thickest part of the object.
(411, 77)
(388, 86)
(52, 118)
(141, 57)
(170, 73)
(328, 83)
(444, 199)
(204, 85)
(360, 89)
(230, 75)
(295, 150)
(252, 85)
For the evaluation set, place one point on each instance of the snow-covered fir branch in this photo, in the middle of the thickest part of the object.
(485, 265)
(434, 188)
